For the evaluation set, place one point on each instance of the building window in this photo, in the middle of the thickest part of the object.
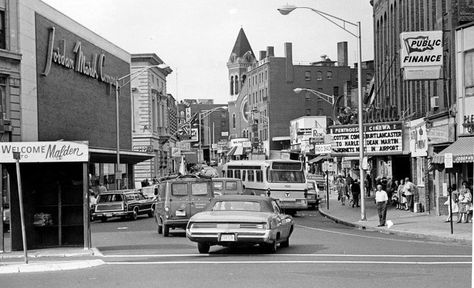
(319, 75)
(232, 85)
(469, 73)
(3, 38)
(233, 121)
(3, 99)
(236, 82)
(329, 74)
(307, 75)
(308, 112)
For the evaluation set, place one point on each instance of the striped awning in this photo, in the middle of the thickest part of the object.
(231, 151)
(462, 150)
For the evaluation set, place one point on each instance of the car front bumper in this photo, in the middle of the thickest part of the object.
(110, 214)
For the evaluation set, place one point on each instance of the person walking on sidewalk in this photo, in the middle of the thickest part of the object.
(402, 199)
(464, 203)
(341, 189)
(452, 189)
(409, 192)
(355, 190)
(381, 199)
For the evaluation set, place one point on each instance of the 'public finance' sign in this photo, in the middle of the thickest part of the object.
(380, 139)
(39, 152)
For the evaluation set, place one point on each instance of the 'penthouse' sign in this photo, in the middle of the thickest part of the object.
(380, 139)
(38, 152)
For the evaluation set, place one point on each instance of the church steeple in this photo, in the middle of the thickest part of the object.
(240, 58)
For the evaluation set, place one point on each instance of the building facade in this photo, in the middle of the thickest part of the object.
(152, 128)
(426, 105)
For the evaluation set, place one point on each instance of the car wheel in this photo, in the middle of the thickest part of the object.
(203, 248)
(286, 243)
(166, 230)
(135, 213)
(271, 247)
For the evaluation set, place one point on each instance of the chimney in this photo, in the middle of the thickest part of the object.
(289, 62)
(263, 55)
(270, 51)
(342, 54)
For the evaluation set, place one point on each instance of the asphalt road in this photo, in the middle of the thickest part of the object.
(321, 254)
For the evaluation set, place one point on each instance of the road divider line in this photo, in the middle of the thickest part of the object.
(288, 262)
(283, 255)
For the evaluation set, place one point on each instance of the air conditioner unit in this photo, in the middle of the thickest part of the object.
(434, 102)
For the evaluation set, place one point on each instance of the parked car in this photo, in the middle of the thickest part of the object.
(150, 191)
(312, 194)
(241, 219)
(180, 198)
(124, 204)
(227, 186)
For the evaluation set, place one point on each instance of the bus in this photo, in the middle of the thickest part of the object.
(280, 179)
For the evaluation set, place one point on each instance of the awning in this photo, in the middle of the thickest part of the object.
(317, 159)
(232, 151)
(110, 156)
(462, 150)
(281, 138)
(236, 151)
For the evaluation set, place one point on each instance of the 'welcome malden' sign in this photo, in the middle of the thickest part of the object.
(42, 152)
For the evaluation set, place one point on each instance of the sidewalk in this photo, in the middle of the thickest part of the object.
(405, 223)
(55, 259)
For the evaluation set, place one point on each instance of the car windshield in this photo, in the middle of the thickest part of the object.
(199, 189)
(286, 177)
(109, 198)
(237, 206)
(217, 185)
(231, 185)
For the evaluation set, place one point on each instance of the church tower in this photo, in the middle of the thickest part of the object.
(241, 57)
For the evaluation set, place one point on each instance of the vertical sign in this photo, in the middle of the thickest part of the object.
(448, 160)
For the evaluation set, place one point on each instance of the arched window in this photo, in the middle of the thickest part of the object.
(319, 75)
(236, 85)
(233, 121)
(231, 85)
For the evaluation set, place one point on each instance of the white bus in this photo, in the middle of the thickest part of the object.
(280, 179)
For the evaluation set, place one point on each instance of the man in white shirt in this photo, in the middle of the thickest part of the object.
(381, 199)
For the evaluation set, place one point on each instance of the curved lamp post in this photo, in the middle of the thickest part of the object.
(287, 9)
(133, 75)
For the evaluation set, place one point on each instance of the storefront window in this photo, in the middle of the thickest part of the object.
(469, 73)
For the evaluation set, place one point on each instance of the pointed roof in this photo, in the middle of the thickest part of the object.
(241, 45)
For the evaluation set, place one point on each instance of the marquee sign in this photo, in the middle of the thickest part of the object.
(421, 54)
(42, 152)
(380, 139)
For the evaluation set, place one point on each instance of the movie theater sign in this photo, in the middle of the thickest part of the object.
(380, 139)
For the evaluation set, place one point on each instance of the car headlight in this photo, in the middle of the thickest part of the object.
(261, 226)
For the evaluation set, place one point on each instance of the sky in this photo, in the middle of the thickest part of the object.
(195, 37)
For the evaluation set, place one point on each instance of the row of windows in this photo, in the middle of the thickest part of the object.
(319, 75)
(258, 78)
(246, 175)
(258, 96)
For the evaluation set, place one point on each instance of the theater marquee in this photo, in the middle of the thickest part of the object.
(380, 139)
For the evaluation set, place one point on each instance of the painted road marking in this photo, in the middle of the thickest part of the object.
(287, 262)
(285, 255)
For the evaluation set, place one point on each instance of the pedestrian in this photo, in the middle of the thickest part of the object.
(368, 184)
(389, 189)
(381, 199)
(409, 193)
(355, 189)
(453, 201)
(102, 188)
(464, 203)
(341, 189)
(402, 199)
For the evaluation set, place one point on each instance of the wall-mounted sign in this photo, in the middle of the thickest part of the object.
(175, 152)
(42, 152)
(421, 54)
(143, 148)
(380, 139)
(468, 123)
(418, 138)
(194, 135)
(322, 149)
(448, 160)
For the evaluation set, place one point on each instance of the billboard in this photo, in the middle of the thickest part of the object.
(421, 54)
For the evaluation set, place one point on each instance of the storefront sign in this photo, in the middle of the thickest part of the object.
(448, 160)
(380, 139)
(77, 61)
(322, 149)
(468, 123)
(42, 152)
(143, 148)
(175, 152)
(421, 54)
(418, 138)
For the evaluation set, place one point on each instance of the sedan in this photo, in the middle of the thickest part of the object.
(241, 220)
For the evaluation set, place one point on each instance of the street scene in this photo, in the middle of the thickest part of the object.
(331, 144)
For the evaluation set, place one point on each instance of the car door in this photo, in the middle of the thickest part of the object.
(201, 193)
(179, 200)
(283, 220)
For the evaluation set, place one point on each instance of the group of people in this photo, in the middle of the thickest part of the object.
(461, 203)
(348, 188)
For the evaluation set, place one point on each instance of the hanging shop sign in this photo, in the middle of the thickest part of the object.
(418, 138)
(42, 152)
(421, 54)
(468, 123)
(380, 139)
(322, 149)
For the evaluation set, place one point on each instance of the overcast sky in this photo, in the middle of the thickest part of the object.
(195, 37)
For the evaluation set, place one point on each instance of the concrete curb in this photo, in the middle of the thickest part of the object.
(48, 267)
(396, 232)
(62, 254)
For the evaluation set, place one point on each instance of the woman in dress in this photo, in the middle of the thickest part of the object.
(401, 196)
(464, 202)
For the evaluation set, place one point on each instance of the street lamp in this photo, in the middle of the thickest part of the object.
(118, 174)
(287, 9)
(201, 116)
